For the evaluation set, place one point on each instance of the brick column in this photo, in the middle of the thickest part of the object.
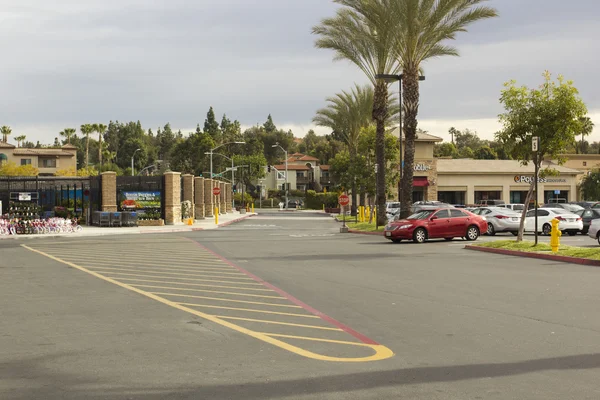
(188, 190)
(228, 206)
(222, 203)
(172, 198)
(109, 191)
(208, 198)
(199, 212)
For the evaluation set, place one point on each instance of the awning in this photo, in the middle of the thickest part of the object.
(420, 181)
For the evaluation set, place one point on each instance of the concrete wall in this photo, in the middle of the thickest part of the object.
(172, 198)
(208, 198)
(188, 191)
(109, 191)
(200, 212)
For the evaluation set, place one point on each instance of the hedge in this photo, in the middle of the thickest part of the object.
(316, 200)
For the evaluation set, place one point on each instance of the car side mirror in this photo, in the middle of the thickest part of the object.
(433, 218)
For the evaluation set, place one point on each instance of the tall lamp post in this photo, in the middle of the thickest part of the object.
(232, 175)
(132, 157)
(391, 78)
(215, 148)
(286, 173)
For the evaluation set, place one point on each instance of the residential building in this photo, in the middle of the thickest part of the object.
(47, 160)
(304, 172)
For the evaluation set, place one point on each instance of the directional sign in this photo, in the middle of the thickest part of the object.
(344, 200)
(216, 191)
(535, 143)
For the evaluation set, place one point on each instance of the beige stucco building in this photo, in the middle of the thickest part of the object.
(47, 160)
(303, 170)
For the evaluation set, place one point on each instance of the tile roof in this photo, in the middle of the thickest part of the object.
(324, 167)
(471, 166)
(41, 152)
(292, 167)
(6, 146)
(422, 137)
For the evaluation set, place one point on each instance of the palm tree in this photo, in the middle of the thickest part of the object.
(20, 139)
(86, 129)
(587, 126)
(100, 129)
(68, 132)
(422, 27)
(363, 33)
(5, 131)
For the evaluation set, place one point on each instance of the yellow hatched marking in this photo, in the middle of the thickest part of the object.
(315, 339)
(194, 289)
(222, 299)
(187, 279)
(250, 310)
(153, 260)
(159, 271)
(380, 352)
(279, 323)
(170, 266)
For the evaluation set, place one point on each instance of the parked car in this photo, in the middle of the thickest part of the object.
(588, 216)
(587, 204)
(446, 223)
(568, 222)
(428, 205)
(567, 206)
(488, 203)
(513, 206)
(500, 219)
(392, 208)
(594, 230)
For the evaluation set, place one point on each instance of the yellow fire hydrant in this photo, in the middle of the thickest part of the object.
(555, 235)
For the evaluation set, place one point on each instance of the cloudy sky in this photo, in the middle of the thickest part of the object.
(68, 62)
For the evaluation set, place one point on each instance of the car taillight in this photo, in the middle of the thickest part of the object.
(579, 219)
(561, 218)
(501, 216)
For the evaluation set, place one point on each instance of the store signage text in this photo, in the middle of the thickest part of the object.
(422, 167)
(529, 179)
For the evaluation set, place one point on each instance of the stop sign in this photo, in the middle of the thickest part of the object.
(216, 191)
(344, 200)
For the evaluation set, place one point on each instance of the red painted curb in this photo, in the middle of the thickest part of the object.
(365, 233)
(235, 220)
(551, 257)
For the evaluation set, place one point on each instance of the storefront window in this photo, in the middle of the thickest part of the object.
(418, 194)
(487, 195)
(556, 196)
(518, 196)
(452, 197)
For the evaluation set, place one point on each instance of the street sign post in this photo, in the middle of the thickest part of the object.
(344, 200)
(216, 191)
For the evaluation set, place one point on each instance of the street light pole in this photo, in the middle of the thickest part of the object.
(211, 158)
(390, 78)
(232, 175)
(132, 167)
(286, 173)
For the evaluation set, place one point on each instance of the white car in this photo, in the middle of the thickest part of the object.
(568, 222)
(500, 219)
(594, 230)
(513, 206)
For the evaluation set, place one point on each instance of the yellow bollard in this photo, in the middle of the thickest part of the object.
(362, 213)
(323, 207)
(216, 215)
(555, 235)
(368, 216)
(252, 207)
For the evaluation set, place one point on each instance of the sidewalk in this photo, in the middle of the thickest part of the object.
(199, 225)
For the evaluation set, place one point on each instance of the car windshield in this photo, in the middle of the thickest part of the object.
(422, 214)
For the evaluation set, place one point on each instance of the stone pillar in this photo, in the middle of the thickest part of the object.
(109, 191)
(228, 206)
(188, 191)
(172, 198)
(199, 212)
(222, 204)
(208, 198)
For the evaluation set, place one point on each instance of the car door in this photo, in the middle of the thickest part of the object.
(458, 222)
(543, 217)
(529, 220)
(440, 225)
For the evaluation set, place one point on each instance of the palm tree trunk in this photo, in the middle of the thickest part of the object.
(100, 149)
(410, 104)
(87, 150)
(354, 190)
(379, 115)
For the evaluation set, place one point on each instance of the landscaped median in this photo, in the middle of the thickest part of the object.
(571, 254)
(361, 227)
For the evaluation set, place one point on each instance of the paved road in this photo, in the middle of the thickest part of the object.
(281, 306)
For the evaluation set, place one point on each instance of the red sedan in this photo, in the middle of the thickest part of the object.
(446, 223)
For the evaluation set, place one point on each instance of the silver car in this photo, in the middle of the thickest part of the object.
(500, 219)
(594, 230)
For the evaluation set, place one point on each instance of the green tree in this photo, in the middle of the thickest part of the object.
(467, 138)
(586, 129)
(211, 126)
(590, 186)
(466, 152)
(446, 149)
(485, 153)
(550, 113)
(269, 125)
(255, 170)
(19, 139)
(100, 129)
(364, 33)
(5, 131)
(86, 130)
(166, 142)
(68, 133)
(422, 29)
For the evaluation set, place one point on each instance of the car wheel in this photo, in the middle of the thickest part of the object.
(449, 239)
(546, 229)
(472, 233)
(572, 233)
(419, 235)
(598, 237)
(491, 231)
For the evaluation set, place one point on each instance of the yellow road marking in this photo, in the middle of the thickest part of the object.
(315, 339)
(222, 299)
(380, 352)
(159, 271)
(265, 321)
(251, 310)
(193, 289)
(188, 279)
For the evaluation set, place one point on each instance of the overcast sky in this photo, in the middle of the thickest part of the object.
(68, 62)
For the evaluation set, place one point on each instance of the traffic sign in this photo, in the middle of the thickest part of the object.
(535, 143)
(216, 191)
(344, 200)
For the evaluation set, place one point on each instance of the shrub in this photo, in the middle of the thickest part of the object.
(238, 198)
(316, 200)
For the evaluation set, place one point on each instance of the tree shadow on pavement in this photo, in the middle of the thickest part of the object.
(66, 386)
